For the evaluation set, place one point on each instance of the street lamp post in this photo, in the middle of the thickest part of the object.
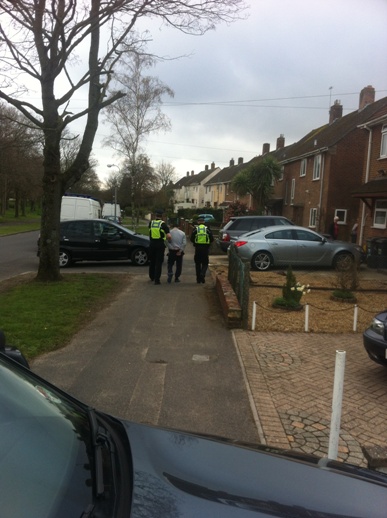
(115, 191)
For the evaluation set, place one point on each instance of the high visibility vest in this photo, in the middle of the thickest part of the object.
(155, 231)
(202, 237)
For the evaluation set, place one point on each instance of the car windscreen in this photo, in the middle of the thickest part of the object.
(45, 453)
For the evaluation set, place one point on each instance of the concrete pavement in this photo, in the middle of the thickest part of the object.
(163, 355)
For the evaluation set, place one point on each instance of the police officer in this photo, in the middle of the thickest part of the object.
(158, 235)
(201, 238)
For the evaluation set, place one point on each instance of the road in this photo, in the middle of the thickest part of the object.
(18, 256)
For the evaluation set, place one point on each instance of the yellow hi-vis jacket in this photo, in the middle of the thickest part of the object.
(202, 237)
(155, 231)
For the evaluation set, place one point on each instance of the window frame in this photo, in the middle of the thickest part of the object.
(338, 212)
(382, 210)
(303, 167)
(383, 142)
(312, 217)
(317, 167)
(292, 190)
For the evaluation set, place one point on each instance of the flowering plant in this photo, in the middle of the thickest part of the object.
(292, 292)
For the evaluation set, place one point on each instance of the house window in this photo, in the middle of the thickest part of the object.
(286, 194)
(292, 189)
(281, 175)
(342, 215)
(317, 167)
(383, 145)
(380, 215)
(312, 217)
(303, 167)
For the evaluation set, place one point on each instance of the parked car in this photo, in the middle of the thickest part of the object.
(375, 339)
(115, 219)
(208, 218)
(100, 240)
(61, 458)
(295, 246)
(242, 224)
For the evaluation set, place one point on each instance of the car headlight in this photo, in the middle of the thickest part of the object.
(377, 326)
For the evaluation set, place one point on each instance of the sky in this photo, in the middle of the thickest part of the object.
(244, 84)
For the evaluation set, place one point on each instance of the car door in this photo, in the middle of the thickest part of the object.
(111, 241)
(282, 246)
(77, 238)
(311, 249)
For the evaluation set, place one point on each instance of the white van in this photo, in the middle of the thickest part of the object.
(111, 209)
(78, 206)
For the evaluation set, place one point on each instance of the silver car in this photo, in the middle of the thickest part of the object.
(295, 246)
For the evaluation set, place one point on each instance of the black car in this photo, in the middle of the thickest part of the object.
(242, 224)
(60, 458)
(375, 339)
(100, 240)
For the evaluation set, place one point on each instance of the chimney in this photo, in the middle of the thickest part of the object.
(187, 173)
(240, 160)
(336, 111)
(192, 173)
(367, 96)
(280, 142)
(213, 165)
(232, 162)
(265, 148)
(206, 167)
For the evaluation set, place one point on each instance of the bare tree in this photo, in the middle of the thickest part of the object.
(41, 46)
(138, 114)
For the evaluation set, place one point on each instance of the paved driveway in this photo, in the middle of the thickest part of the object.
(289, 378)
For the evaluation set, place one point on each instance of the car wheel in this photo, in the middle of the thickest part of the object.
(139, 257)
(343, 262)
(64, 259)
(261, 261)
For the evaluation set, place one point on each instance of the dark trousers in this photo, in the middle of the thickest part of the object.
(201, 261)
(172, 259)
(156, 259)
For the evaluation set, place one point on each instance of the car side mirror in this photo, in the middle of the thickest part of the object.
(12, 352)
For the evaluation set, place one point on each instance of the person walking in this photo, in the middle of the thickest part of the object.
(201, 238)
(334, 228)
(176, 247)
(158, 235)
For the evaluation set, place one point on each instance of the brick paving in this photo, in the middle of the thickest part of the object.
(289, 378)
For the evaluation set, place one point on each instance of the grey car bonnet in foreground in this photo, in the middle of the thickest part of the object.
(61, 459)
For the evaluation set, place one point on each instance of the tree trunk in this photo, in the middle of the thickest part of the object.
(51, 204)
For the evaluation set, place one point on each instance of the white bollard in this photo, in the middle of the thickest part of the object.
(355, 311)
(306, 318)
(336, 405)
(254, 316)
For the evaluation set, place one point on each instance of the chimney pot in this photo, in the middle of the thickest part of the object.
(213, 165)
(367, 96)
(206, 167)
(336, 111)
(232, 162)
(240, 160)
(280, 142)
(265, 148)
(192, 173)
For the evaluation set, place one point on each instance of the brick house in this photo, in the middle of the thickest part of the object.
(373, 192)
(322, 169)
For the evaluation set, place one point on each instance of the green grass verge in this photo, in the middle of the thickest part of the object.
(11, 225)
(39, 317)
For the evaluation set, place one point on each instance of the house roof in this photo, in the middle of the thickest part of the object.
(227, 174)
(329, 135)
(194, 178)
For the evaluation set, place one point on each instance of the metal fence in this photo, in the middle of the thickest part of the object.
(239, 278)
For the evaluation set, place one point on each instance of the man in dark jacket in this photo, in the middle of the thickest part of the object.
(158, 235)
(201, 238)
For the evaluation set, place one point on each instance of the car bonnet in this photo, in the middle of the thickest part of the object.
(178, 474)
